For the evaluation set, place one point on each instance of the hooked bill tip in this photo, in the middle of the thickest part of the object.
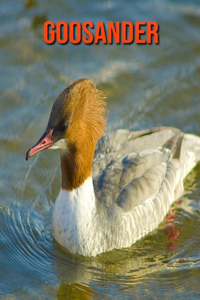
(27, 155)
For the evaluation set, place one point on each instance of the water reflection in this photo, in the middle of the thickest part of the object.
(30, 3)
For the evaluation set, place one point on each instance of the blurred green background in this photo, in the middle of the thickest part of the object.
(145, 85)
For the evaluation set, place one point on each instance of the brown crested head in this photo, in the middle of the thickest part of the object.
(77, 121)
(79, 113)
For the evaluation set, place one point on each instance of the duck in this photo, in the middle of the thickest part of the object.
(117, 187)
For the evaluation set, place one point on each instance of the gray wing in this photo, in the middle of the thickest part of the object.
(129, 167)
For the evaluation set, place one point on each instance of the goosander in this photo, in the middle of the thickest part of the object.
(115, 191)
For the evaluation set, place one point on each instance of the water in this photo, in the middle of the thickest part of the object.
(146, 85)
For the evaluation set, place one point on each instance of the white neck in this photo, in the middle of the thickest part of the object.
(73, 216)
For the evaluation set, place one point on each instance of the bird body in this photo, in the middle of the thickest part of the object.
(117, 190)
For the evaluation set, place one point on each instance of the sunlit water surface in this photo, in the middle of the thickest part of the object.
(145, 86)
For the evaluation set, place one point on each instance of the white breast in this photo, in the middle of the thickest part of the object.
(73, 218)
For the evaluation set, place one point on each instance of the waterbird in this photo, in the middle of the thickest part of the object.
(117, 188)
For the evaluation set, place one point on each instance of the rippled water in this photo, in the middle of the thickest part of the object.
(146, 86)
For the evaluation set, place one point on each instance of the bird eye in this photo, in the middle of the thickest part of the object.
(63, 126)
